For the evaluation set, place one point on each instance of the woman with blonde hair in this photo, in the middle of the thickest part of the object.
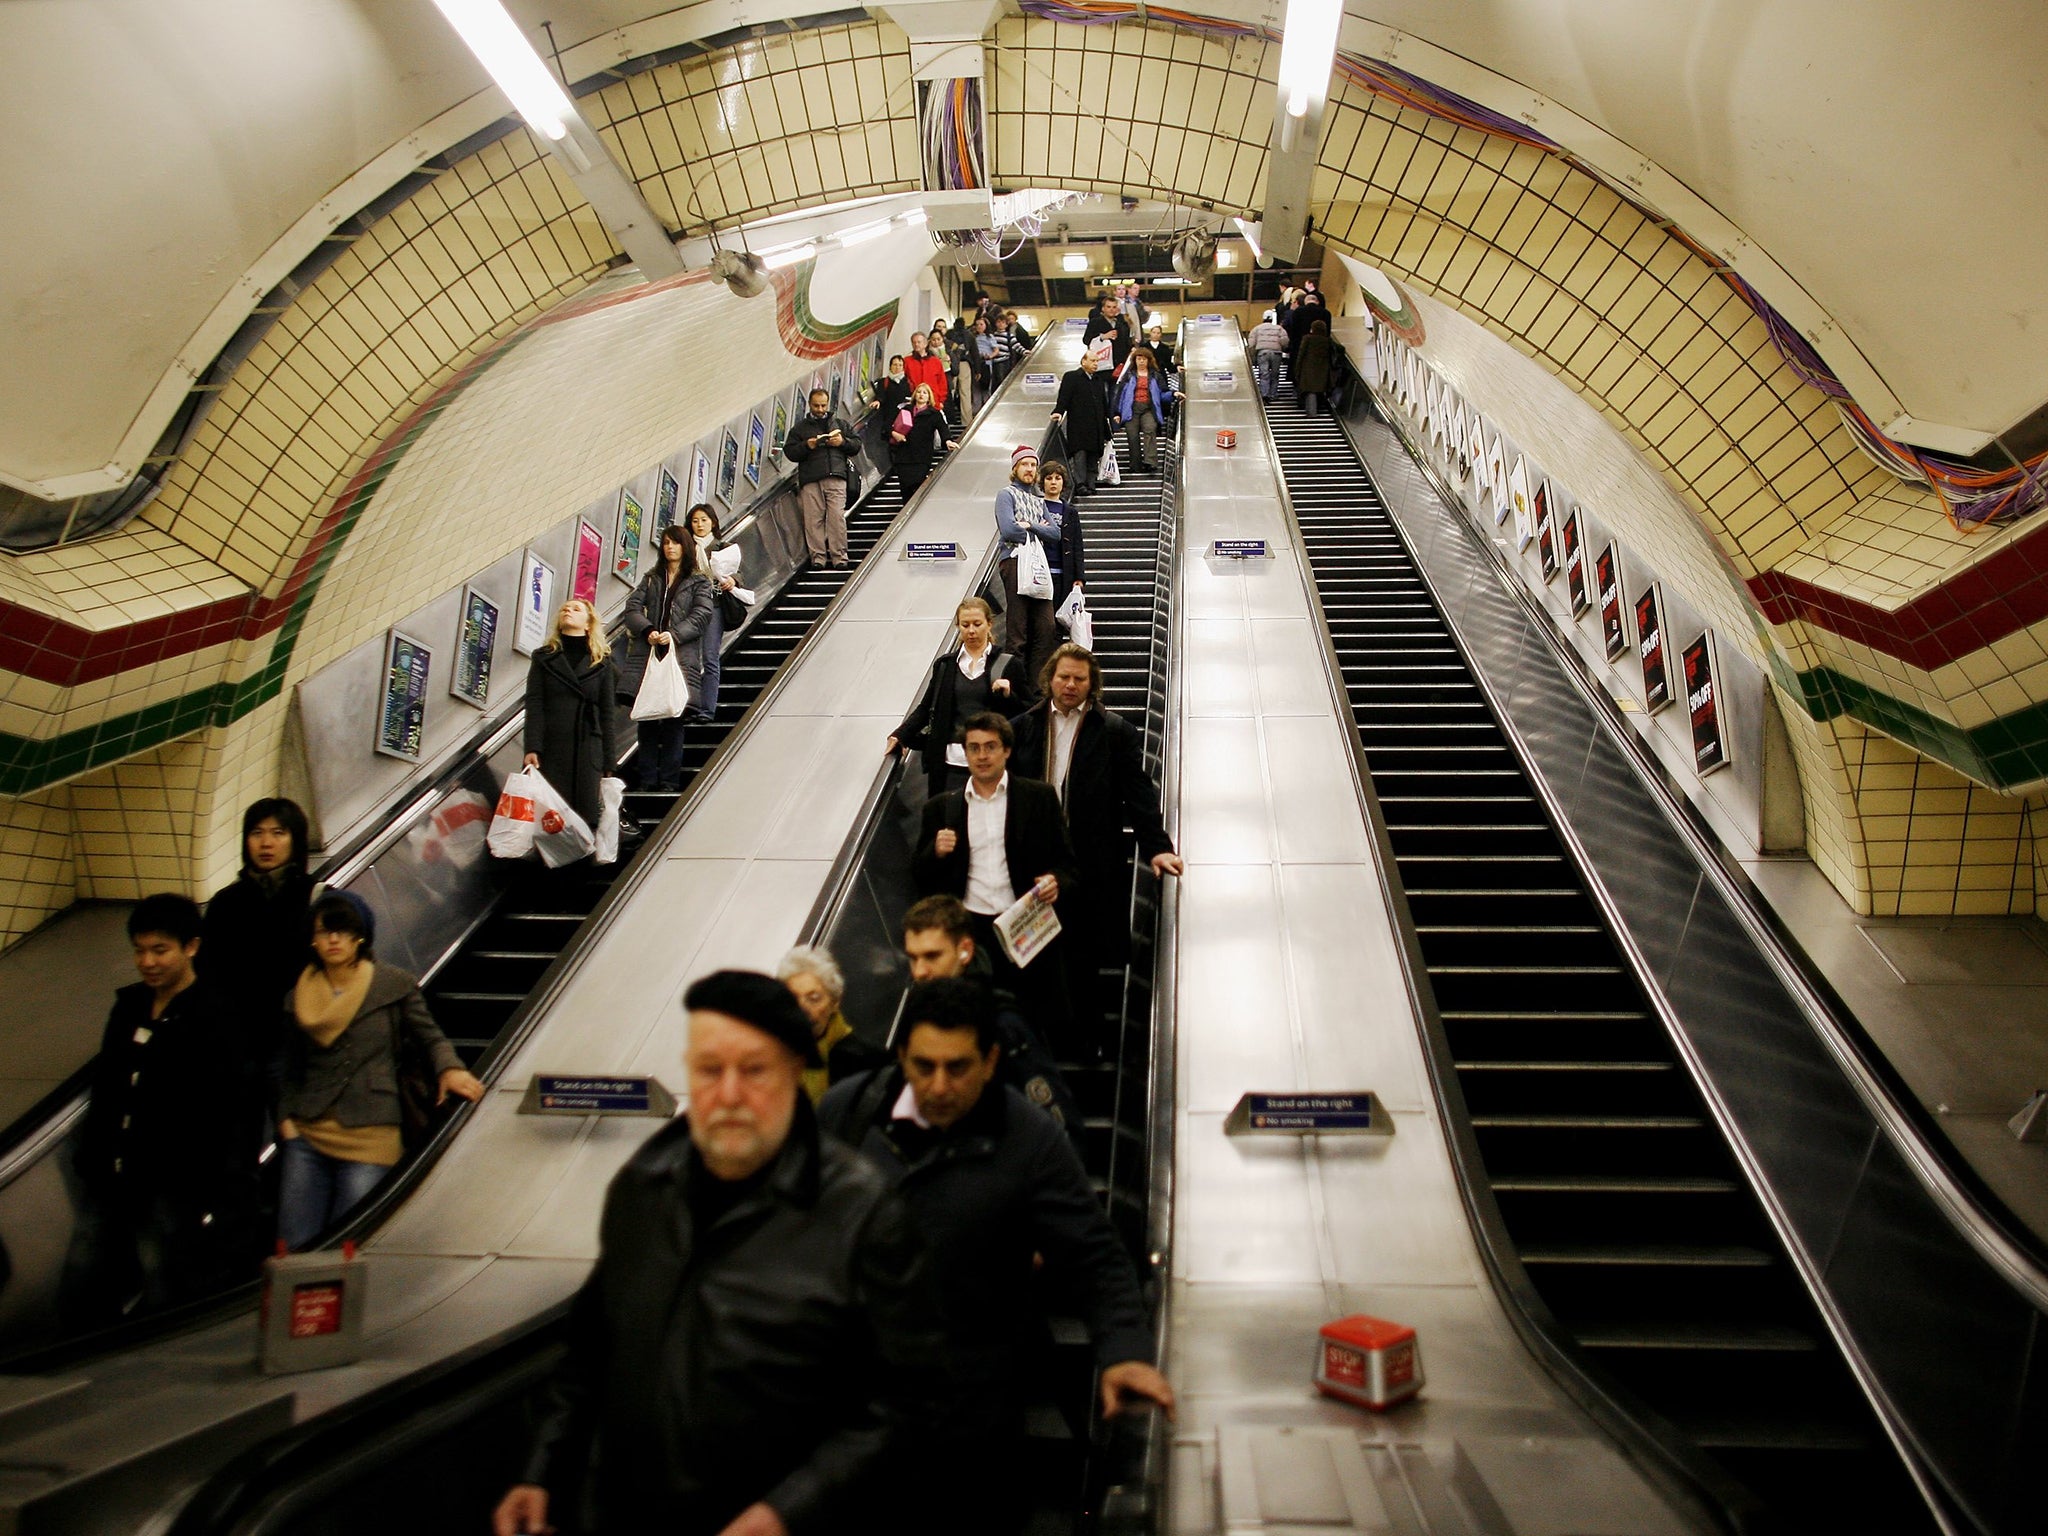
(974, 678)
(570, 685)
(918, 437)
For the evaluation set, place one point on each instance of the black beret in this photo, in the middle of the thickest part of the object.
(761, 1001)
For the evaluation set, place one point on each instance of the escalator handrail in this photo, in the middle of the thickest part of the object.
(233, 1488)
(1984, 1220)
(1919, 1466)
(1677, 1468)
(376, 1210)
(840, 879)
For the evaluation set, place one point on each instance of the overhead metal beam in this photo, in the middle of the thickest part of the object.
(616, 199)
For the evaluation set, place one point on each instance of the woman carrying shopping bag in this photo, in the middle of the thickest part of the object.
(1026, 528)
(1067, 556)
(670, 609)
(917, 437)
(729, 605)
(570, 685)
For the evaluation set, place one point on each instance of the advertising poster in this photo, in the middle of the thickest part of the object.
(700, 477)
(470, 678)
(1703, 701)
(665, 497)
(867, 367)
(1546, 536)
(626, 544)
(757, 445)
(837, 389)
(781, 428)
(1607, 575)
(1575, 566)
(1496, 478)
(728, 467)
(1518, 497)
(402, 721)
(589, 562)
(1650, 647)
(536, 604)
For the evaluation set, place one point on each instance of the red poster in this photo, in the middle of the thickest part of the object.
(1546, 537)
(1607, 571)
(1650, 647)
(589, 562)
(1703, 700)
(1575, 566)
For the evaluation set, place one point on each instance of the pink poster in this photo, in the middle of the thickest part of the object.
(589, 562)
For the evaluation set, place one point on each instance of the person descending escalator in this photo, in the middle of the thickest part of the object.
(995, 1190)
(572, 686)
(819, 987)
(1082, 413)
(758, 1350)
(163, 1158)
(1029, 630)
(974, 678)
(917, 435)
(362, 1052)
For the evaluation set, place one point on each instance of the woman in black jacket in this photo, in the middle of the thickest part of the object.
(963, 683)
(672, 606)
(349, 1024)
(570, 687)
(1069, 565)
(915, 450)
(254, 942)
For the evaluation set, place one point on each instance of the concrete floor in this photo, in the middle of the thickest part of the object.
(55, 988)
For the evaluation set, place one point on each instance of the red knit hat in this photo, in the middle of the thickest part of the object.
(1021, 453)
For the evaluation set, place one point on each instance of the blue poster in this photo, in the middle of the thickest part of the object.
(470, 679)
(665, 503)
(402, 722)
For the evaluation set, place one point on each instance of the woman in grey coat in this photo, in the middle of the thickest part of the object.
(672, 606)
(340, 1117)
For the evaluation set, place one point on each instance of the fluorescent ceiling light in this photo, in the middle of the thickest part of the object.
(502, 49)
(1074, 261)
(862, 232)
(1177, 282)
(789, 255)
(1225, 256)
(915, 217)
(1308, 48)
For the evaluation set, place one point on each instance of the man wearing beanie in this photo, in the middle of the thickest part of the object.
(1029, 630)
(760, 1338)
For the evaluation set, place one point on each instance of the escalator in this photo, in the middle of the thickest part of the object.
(482, 984)
(1623, 1203)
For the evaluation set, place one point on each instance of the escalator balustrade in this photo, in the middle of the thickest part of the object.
(1623, 1202)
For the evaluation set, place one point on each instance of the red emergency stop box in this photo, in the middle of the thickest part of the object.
(1368, 1361)
(1226, 437)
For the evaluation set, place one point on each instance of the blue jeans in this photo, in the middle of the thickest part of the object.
(318, 1191)
(1267, 366)
(705, 704)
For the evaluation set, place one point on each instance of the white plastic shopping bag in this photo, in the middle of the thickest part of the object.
(1073, 616)
(1106, 473)
(561, 836)
(614, 793)
(664, 691)
(512, 827)
(1034, 571)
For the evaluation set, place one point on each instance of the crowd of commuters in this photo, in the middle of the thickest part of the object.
(832, 1272)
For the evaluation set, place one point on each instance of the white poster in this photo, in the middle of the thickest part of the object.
(536, 604)
(1496, 478)
(1518, 493)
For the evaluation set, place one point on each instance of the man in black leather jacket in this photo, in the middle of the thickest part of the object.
(759, 1338)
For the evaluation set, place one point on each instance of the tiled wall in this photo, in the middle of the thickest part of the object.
(1879, 614)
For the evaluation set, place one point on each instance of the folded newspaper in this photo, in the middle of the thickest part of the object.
(1026, 927)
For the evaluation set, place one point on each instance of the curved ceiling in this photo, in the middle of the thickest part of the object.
(169, 162)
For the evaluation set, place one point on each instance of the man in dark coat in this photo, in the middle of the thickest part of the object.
(1083, 417)
(994, 1188)
(823, 448)
(1110, 320)
(759, 1342)
(163, 1156)
(1096, 763)
(991, 843)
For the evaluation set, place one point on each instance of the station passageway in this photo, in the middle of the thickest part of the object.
(1586, 633)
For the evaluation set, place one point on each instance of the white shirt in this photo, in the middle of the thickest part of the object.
(970, 666)
(1066, 730)
(988, 859)
(906, 1109)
